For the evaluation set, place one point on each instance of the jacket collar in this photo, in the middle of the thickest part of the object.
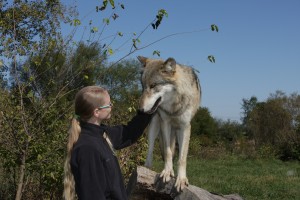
(92, 129)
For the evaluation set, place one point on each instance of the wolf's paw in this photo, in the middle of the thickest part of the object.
(166, 175)
(181, 183)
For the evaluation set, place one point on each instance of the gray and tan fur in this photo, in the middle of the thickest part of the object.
(173, 92)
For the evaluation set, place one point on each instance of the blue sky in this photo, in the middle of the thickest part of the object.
(257, 48)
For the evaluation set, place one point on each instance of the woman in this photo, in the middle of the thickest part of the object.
(91, 168)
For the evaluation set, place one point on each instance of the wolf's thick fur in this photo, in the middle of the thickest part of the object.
(174, 92)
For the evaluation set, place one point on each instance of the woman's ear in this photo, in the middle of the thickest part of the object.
(96, 113)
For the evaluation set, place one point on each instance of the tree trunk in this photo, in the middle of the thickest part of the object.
(21, 178)
(146, 184)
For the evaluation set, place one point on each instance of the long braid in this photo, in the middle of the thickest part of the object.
(69, 182)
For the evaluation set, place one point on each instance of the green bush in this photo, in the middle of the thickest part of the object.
(289, 146)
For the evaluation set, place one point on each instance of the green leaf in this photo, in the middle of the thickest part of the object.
(31, 78)
(110, 51)
(103, 7)
(120, 34)
(156, 53)
(134, 43)
(25, 68)
(106, 21)
(86, 77)
(39, 157)
(76, 22)
(160, 15)
(112, 3)
(30, 94)
(211, 59)
(214, 28)
(94, 30)
(52, 175)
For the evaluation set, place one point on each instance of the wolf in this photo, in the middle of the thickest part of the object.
(172, 92)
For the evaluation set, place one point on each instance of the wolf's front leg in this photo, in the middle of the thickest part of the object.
(153, 131)
(183, 137)
(168, 168)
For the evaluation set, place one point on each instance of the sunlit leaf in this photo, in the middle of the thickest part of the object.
(31, 78)
(76, 22)
(112, 3)
(110, 51)
(103, 7)
(30, 94)
(214, 28)
(211, 59)
(94, 30)
(106, 21)
(156, 53)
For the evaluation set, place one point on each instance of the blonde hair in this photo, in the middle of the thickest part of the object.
(86, 101)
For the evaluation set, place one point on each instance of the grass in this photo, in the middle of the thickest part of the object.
(251, 179)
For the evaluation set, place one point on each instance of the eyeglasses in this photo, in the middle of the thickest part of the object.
(106, 106)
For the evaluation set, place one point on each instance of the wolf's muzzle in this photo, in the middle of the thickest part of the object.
(154, 108)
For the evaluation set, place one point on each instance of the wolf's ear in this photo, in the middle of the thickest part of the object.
(142, 60)
(169, 65)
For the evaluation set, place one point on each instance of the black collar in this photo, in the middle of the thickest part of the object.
(92, 129)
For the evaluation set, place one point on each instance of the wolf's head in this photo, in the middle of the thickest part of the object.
(158, 80)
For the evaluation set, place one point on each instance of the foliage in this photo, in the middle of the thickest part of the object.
(27, 25)
(159, 17)
(275, 123)
(31, 140)
(230, 134)
(27, 28)
(204, 124)
(229, 131)
(3, 75)
(247, 107)
(266, 120)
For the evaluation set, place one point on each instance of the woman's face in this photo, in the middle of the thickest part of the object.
(104, 111)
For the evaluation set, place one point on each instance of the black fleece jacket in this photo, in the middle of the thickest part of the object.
(95, 167)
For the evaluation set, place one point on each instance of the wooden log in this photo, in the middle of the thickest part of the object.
(146, 184)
